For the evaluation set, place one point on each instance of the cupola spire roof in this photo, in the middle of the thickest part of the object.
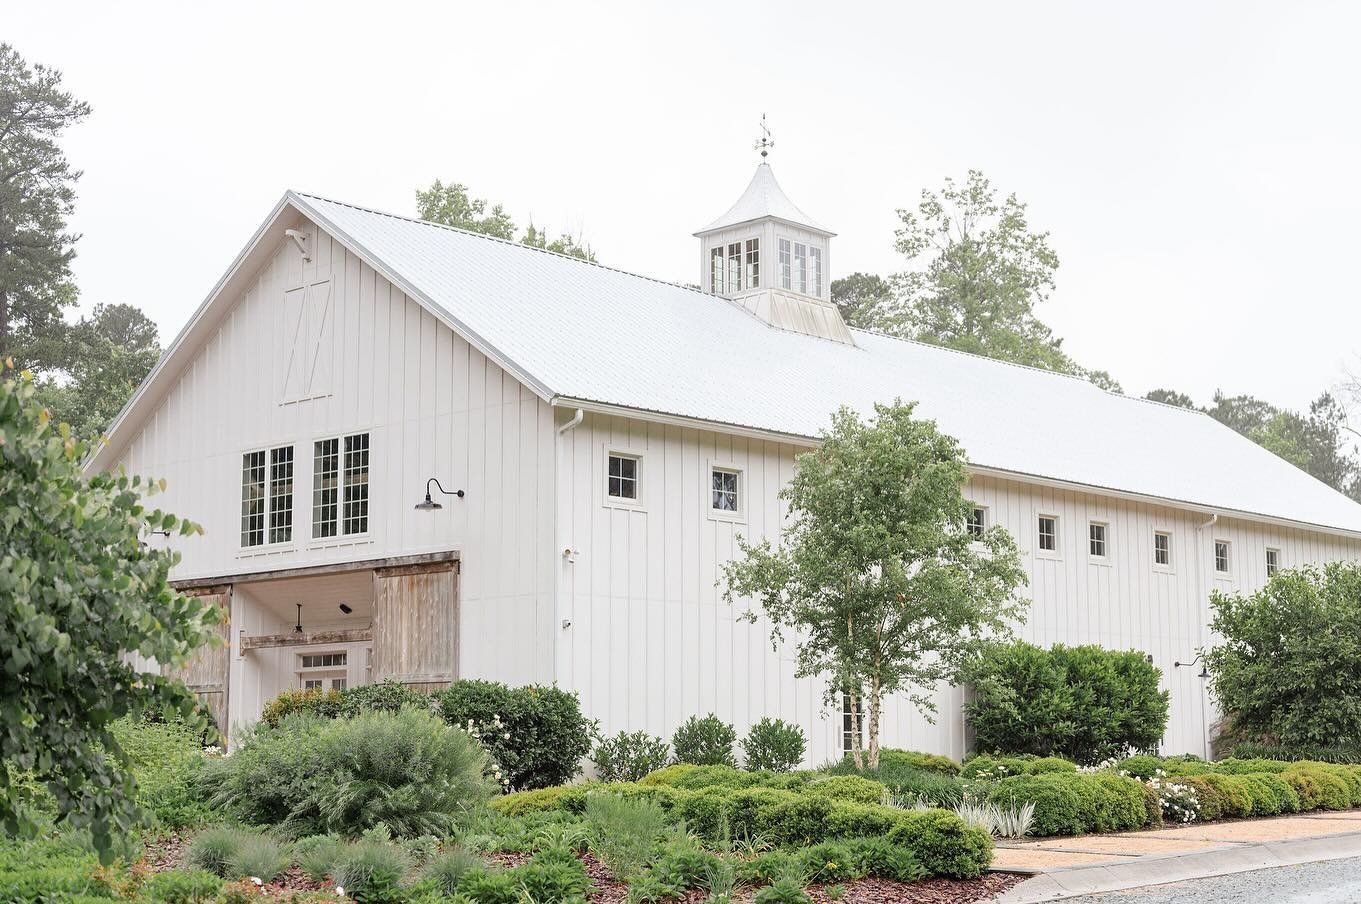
(764, 198)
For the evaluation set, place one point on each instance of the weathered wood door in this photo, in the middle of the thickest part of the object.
(206, 672)
(415, 625)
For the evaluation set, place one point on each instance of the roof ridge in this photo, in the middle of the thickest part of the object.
(494, 238)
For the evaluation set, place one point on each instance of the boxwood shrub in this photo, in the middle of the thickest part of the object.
(1070, 803)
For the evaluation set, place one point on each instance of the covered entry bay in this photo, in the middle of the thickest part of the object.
(327, 627)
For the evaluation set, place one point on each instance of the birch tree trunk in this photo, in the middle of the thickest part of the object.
(875, 700)
(857, 756)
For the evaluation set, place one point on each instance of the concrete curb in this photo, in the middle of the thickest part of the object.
(1161, 869)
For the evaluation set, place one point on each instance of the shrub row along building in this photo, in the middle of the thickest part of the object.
(610, 436)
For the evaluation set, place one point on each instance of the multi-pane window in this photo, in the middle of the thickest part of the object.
(753, 274)
(1047, 534)
(716, 265)
(340, 486)
(324, 660)
(724, 490)
(1162, 549)
(800, 267)
(318, 684)
(734, 267)
(1096, 539)
(1273, 561)
(815, 261)
(267, 496)
(1222, 556)
(784, 255)
(978, 521)
(281, 494)
(355, 485)
(852, 722)
(253, 500)
(325, 487)
(623, 477)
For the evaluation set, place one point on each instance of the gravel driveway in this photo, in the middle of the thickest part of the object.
(1330, 882)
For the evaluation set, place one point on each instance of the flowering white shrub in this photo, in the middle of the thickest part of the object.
(485, 732)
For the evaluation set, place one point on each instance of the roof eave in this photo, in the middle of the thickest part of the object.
(720, 226)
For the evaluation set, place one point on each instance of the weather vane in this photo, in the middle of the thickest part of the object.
(764, 143)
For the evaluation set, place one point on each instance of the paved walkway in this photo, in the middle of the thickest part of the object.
(1080, 850)
(1066, 867)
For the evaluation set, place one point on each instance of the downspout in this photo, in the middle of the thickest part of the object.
(1204, 590)
(561, 622)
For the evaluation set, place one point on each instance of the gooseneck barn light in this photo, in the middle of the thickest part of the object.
(1204, 671)
(430, 505)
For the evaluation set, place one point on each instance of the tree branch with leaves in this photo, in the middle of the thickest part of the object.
(878, 580)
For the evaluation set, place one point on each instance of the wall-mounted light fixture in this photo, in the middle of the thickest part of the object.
(1204, 671)
(430, 505)
(344, 607)
(297, 629)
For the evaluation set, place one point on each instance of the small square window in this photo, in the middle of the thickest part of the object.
(1048, 533)
(1162, 549)
(1273, 561)
(977, 522)
(623, 477)
(1222, 556)
(725, 494)
(1096, 539)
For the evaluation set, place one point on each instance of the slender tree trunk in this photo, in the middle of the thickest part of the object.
(4, 333)
(874, 719)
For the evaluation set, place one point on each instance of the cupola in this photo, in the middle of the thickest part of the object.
(772, 259)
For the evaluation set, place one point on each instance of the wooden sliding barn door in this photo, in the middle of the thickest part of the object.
(415, 625)
(206, 672)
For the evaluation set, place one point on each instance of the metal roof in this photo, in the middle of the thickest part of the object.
(764, 198)
(581, 331)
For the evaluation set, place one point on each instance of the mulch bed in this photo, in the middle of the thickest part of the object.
(167, 852)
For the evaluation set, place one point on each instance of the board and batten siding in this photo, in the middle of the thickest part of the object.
(377, 362)
(652, 642)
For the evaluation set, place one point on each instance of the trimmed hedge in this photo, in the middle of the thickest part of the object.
(1071, 803)
(938, 839)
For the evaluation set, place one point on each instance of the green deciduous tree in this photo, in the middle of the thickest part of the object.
(866, 301)
(451, 205)
(79, 589)
(877, 578)
(976, 273)
(36, 196)
(1288, 667)
(107, 355)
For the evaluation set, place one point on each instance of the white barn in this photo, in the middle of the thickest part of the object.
(612, 435)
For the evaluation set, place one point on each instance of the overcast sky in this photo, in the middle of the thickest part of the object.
(1195, 164)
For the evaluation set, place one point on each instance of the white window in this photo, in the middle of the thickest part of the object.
(1047, 533)
(1162, 549)
(1222, 556)
(324, 660)
(724, 487)
(815, 259)
(311, 684)
(267, 496)
(978, 521)
(1096, 539)
(800, 268)
(623, 477)
(785, 282)
(321, 684)
(735, 267)
(340, 486)
(852, 722)
(752, 278)
(716, 270)
(1273, 561)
